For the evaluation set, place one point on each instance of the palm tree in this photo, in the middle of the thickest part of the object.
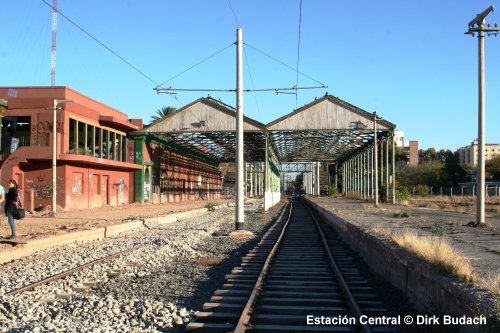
(163, 112)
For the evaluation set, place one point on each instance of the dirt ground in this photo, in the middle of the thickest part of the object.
(42, 224)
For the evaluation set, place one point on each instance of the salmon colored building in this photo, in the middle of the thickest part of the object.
(172, 173)
(103, 158)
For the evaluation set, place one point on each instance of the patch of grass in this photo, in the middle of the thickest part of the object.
(437, 251)
(210, 207)
(367, 226)
(401, 214)
(490, 282)
(440, 228)
(209, 261)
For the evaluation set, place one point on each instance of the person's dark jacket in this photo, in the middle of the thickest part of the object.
(11, 199)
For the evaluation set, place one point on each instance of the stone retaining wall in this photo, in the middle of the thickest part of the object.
(425, 287)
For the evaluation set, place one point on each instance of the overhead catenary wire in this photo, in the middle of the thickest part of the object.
(193, 66)
(298, 55)
(234, 14)
(276, 90)
(284, 64)
(246, 62)
(253, 86)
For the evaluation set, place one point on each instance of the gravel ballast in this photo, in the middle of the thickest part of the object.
(153, 289)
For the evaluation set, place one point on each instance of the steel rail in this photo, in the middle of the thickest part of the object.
(71, 271)
(59, 276)
(30, 260)
(343, 285)
(244, 319)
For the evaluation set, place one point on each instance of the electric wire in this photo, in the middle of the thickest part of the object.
(101, 43)
(298, 55)
(197, 64)
(234, 14)
(284, 64)
(253, 86)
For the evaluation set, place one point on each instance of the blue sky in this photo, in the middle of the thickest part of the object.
(407, 60)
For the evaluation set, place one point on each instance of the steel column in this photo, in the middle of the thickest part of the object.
(386, 170)
(375, 144)
(317, 179)
(393, 170)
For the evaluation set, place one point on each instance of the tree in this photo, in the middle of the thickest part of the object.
(401, 157)
(163, 112)
(493, 167)
(456, 173)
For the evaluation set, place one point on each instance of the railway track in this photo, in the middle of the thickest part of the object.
(299, 269)
(94, 261)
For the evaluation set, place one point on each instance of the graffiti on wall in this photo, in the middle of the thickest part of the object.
(42, 191)
(40, 132)
(77, 184)
(121, 192)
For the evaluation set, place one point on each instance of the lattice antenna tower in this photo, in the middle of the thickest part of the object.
(53, 49)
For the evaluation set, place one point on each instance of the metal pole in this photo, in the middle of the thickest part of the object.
(54, 158)
(240, 217)
(54, 151)
(477, 25)
(372, 173)
(317, 179)
(386, 170)
(375, 144)
(349, 177)
(356, 175)
(393, 169)
(381, 163)
(362, 164)
(251, 179)
(481, 132)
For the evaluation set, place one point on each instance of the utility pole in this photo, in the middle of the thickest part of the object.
(54, 152)
(239, 186)
(478, 25)
(240, 216)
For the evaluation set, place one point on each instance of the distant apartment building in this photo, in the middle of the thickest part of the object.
(410, 147)
(468, 155)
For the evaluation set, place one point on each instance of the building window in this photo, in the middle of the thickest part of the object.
(124, 148)
(81, 138)
(105, 144)
(97, 142)
(90, 140)
(72, 136)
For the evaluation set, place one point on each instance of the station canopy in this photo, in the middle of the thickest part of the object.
(327, 129)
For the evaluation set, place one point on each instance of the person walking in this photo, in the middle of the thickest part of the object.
(10, 206)
(2, 197)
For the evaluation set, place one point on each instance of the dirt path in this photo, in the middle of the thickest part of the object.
(41, 224)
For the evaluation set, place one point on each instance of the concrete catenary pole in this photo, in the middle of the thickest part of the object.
(54, 152)
(477, 25)
(481, 131)
(240, 215)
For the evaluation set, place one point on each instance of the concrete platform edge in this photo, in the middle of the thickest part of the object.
(425, 287)
(35, 245)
